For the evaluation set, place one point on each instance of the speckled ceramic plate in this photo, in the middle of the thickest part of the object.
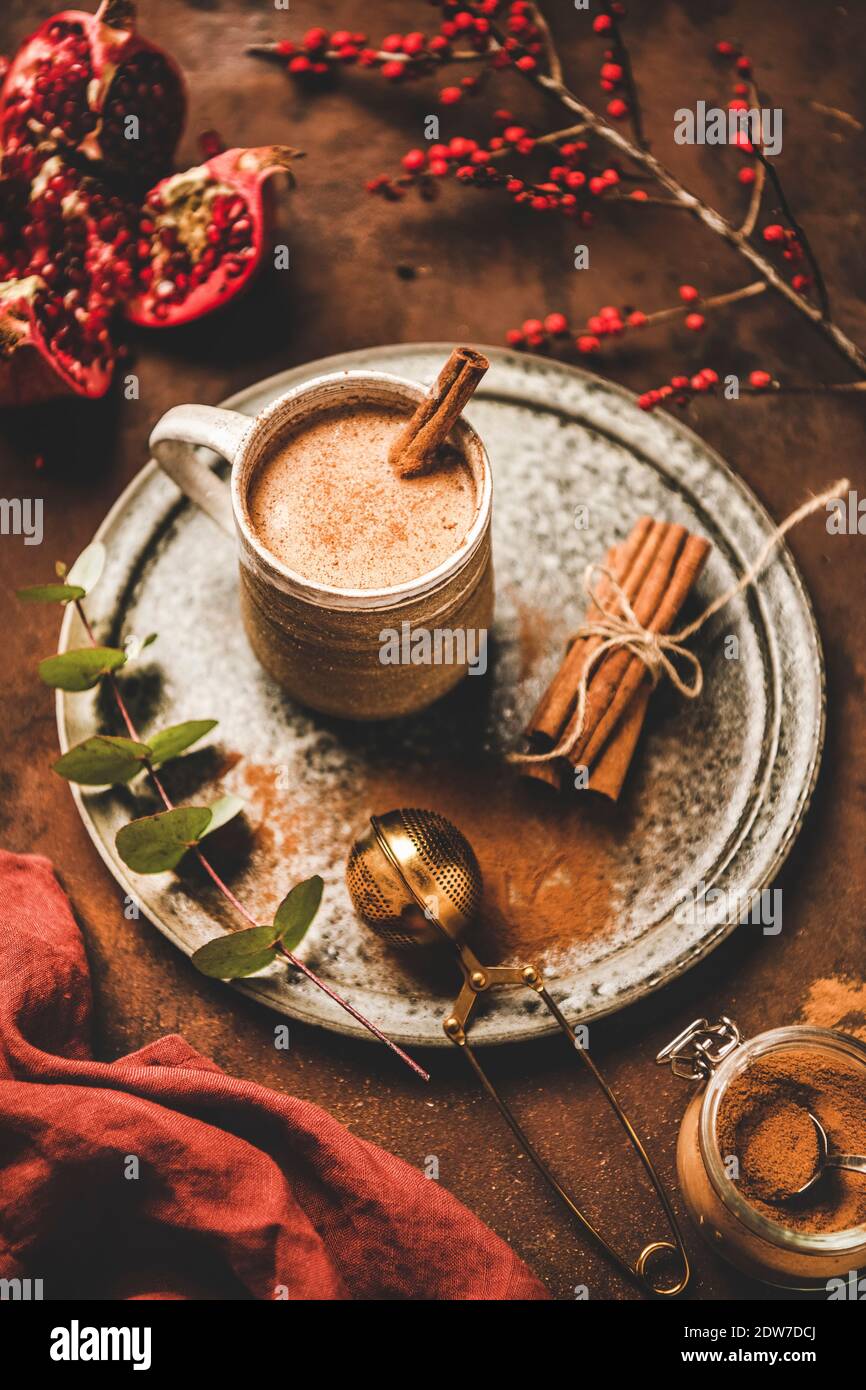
(599, 896)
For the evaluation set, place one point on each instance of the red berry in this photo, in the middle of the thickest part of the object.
(617, 108)
(438, 167)
(611, 72)
(759, 380)
(449, 95)
(314, 39)
(602, 23)
(526, 145)
(688, 294)
(636, 319)
(587, 343)
(679, 383)
(526, 63)
(532, 326)
(798, 282)
(514, 337)
(747, 175)
(414, 161)
(597, 186)
(743, 64)
(726, 49)
(699, 383)
(709, 376)
(392, 43)
(414, 43)
(285, 48)
(300, 64)
(556, 323)
(513, 133)
(775, 232)
(695, 322)
(639, 194)
(393, 71)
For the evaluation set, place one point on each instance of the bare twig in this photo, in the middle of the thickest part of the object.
(844, 116)
(748, 224)
(554, 62)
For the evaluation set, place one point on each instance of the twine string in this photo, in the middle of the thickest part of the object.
(620, 630)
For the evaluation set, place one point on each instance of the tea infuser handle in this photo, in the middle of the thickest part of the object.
(477, 979)
(174, 444)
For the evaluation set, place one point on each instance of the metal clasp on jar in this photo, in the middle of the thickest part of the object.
(695, 1053)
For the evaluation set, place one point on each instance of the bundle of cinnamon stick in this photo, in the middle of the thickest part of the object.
(656, 566)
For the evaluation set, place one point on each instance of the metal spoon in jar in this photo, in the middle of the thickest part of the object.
(855, 1163)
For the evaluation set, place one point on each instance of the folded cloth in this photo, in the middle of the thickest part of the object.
(159, 1176)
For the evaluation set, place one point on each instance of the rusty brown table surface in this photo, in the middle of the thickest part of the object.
(480, 270)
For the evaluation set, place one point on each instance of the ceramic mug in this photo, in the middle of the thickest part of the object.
(323, 644)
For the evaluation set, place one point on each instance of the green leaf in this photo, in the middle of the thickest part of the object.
(101, 760)
(174, 740)
(297, 910)
(156, 843)
(223, 811)
(134, 646)
(49, 593)
(80, 670)
(88, 567)
(239, 953)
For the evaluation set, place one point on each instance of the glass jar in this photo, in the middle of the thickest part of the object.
(713, 1055)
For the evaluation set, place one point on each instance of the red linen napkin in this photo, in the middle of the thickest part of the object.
(241, 1192)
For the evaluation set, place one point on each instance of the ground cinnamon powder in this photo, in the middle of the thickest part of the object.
(763, 1121)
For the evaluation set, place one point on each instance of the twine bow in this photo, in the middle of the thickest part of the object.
(619, 628)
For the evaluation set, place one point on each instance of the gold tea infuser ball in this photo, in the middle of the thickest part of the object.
(414, 880)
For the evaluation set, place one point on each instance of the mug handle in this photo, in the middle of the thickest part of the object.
(173, 445)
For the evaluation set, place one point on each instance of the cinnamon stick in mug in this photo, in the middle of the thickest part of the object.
(415, 447)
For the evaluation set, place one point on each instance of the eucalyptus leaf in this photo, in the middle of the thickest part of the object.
(80, 670)
(101, 760)
(88, 567)
(156, 843)
(175, 739)
(134, 646)
(49, 593)
(223, 811)
(236, 954)
(297, 910)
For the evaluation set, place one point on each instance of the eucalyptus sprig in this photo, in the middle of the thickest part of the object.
(158, 843)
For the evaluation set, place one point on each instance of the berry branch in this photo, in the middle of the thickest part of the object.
(514, 34)
(708, 216)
